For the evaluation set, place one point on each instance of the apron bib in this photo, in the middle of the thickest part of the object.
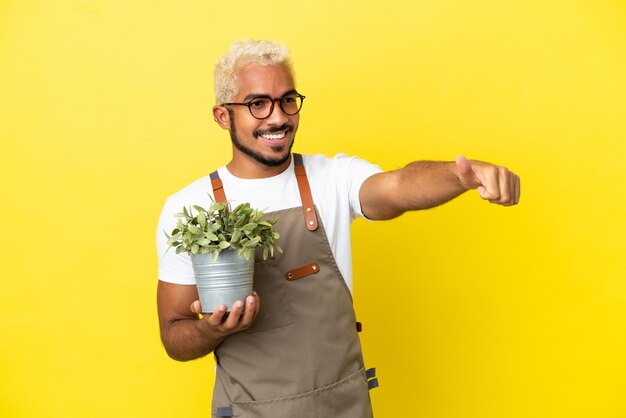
(302, 356)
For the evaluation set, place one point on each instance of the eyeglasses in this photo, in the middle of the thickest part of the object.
(261, 107)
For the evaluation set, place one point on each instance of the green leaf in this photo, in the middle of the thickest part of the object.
(209, 232)
(249, 227)
(253, 243)
(201, 219)
(216, 207)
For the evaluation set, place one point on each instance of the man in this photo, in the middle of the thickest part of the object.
(291, 349)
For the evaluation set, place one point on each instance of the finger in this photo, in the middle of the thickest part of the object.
(514, 197)
(463, 165)
(489, 179)
(249, 313)
(234, 315)
(257, 303)
(218, 315)
(195, 307)
(504, 183)
(512, 181)
(518, 190)
(466, 174)
(511, 200)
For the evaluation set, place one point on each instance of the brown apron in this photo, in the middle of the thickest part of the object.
(302, 356)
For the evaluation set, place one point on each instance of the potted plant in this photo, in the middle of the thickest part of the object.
(222, 244)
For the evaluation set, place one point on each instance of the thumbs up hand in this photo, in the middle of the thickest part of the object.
(494, 183)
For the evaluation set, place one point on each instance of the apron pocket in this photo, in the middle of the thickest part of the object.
(348, 398)
(275, 309)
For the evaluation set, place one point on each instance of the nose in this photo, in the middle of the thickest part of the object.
(277, 117)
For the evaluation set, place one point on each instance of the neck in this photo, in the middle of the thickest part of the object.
(246, 167)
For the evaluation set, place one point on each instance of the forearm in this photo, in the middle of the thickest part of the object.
(184, 336)
(189, 339)
(419, 185)
(426, 184)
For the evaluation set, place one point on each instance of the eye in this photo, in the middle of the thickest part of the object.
(258, 103)
(289, 99)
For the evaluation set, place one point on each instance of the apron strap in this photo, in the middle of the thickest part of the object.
(303, 186)
(372, 380)
(224, 411)
(218, 188)
(305, 194)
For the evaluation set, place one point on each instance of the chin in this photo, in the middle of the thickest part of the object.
(276, 157)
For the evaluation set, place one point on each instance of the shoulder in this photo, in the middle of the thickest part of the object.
(340, 162)
(197, 193)
(339, 167)
(339, 179)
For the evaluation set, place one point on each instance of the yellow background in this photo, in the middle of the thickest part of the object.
(469, 310)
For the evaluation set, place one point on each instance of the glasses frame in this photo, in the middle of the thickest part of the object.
(279, 100)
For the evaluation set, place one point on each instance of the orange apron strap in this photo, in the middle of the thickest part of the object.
(218, 188)
(305, 194)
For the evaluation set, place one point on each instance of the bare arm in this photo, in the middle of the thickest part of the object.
(426, 184)
(185, 336)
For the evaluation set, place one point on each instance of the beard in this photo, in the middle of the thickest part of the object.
(265, 160)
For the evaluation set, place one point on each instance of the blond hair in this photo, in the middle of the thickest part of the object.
(241, 54)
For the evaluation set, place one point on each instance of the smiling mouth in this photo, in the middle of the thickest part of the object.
(274, 134)
(274, 137)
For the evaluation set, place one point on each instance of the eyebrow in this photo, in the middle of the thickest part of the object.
(255, 95)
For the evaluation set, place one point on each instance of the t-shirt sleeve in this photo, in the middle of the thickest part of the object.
(173, 268)
(356, 172)
(360, 171)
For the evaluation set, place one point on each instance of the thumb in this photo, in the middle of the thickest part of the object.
(466, 174)
(195, 307)
(463, 166)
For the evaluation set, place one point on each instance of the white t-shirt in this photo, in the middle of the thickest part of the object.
(335, 184)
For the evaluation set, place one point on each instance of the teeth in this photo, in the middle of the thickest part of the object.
(279, 135)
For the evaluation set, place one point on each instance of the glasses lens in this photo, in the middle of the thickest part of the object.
(260, 107)
(291, 104)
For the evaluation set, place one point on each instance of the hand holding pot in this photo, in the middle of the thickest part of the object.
(237, 319)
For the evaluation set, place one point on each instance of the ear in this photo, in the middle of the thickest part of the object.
(221, 116)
